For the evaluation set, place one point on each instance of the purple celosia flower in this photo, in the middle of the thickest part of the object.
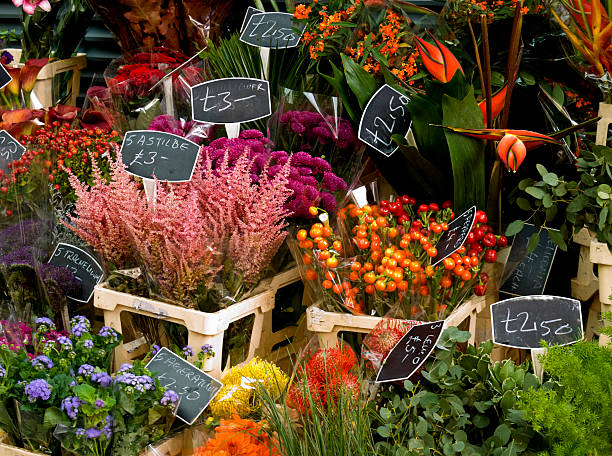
(38, 389)
(99, 403)
(85, 370)
(169, 397)
(71, 405)
(93, 433)
(102, 378)
(65, 342)
(187, 351)
(108, 333)
(42, 362)
(88, 343)
(79, 329)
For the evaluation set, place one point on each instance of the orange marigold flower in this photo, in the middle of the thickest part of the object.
(524, 10)
(302, 12)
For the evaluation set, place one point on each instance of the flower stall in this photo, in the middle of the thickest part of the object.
(305, 228)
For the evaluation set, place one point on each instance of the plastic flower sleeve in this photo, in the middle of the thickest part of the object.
(34, 431)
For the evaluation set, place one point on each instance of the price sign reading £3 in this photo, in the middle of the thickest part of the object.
(231, 100)
(195, 387)
(385, 115)
(410, 352)
(10, 150)
(167, 157)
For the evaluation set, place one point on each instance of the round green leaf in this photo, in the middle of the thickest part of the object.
(541, 169)
(536, 192)
(503, 433)
(481, 421)
(460, 436)
(514, 228)
(551, 179)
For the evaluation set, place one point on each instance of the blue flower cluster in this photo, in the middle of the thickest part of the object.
(85, 370)
(88, 343)
(187, 351)
(141, 383)
(124, 367)
(2, 372)
(65, 342)
(99, 403)
(207, 350)
(42, 362)
(38, 389)
(44, 324)
(102, 378)
(71, 405)
(169, 397)
(79, 329)
(108, 333)
(94, 433)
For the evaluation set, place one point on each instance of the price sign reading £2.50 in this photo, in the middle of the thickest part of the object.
(231, 100)
(195, 387)
(385, 115)
(271, 30)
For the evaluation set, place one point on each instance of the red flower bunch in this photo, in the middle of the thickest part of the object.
(324, 378)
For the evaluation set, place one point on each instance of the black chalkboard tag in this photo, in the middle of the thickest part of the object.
(271, 30)
(231, 100)
(386, 114)
(410, 352)
(249, 12)
(167, 157)
(195, 387)
(84, 266)
(10, 149)
(526, 274)
(5, 77)
(525, 321)
(455, 236)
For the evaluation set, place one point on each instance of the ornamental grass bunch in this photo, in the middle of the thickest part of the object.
(381, 258)
(210, 238)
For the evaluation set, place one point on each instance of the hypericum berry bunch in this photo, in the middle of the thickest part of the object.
(48, 149)
(324, 377)
(387, 259)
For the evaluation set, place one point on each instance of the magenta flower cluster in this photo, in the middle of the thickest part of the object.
(311, 179)
(315, 128)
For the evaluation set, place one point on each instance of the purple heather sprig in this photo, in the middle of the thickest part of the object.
(38, 389)
(44, 324)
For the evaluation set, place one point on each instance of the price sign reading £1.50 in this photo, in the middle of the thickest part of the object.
(231, 100)
(385, 115)
(195, 387)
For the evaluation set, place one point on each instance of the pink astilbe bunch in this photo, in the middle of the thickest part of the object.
(98, 220)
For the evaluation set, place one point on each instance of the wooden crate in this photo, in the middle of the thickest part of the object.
(203, 328)
(43, 88)
(327, 325)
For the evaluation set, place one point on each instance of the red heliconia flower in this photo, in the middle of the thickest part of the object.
(512, 152)
(439, 61)
(29, 72)
(497, 104)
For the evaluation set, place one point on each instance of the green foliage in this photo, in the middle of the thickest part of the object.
(575, 411)
(464, 406)
(584, 201)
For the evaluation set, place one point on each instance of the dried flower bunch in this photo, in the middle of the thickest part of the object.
(192, 230)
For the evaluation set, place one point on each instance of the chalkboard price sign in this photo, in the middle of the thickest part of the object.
(529, 272)
(10, 149)
(231, 100)
(455, 236)
(271, 30)
(386, 114)
(410, 352)
(525, 321)
(85, 268)
(5, 77)
(195, 387)
(168, 157)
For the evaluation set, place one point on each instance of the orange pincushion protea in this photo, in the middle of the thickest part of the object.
(239, 437)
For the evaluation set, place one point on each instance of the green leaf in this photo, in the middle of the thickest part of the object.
(603, 217)
(541, 169)
(534, 240)
(558, 95)
(561, 189)
(54, 416)
(384, 431)
(481, 421)
(515, 227)
(338, 82)
(547, 201)
(460, 436)
(536, 192)
(85, 392)
(523, 203)
(497, 79)
(482, 406)
(577, 204)
(527, 78)
(557, 238)
(459, 446)
(502, 432)
(551, 213)
(551, 179)
(385, 413)
(359, 80)
(421, 427)
(467, 154)
(525, 183)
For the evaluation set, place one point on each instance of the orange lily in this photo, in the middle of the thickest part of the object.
(512, 152)
(439, 61)
(498, 101)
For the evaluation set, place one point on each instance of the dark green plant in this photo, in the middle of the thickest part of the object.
(575, 412)
(464, 405)
(580, 201)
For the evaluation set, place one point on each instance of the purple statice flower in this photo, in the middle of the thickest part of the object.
(42, 362)
(108, 333)
(38, 389)
(102, 378)
(22, 234)
(79, 329)
(80, 432)
(108, 427)
(44, 324)
(65, 342)
(99, 403)
(85, 370)
(2, 372)
(187, 351)
(6, 57)
(71, 405)
(26, 255)
(88, 343)
(207, 350)
(124, 368)
(92, 433)
(169, 397)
